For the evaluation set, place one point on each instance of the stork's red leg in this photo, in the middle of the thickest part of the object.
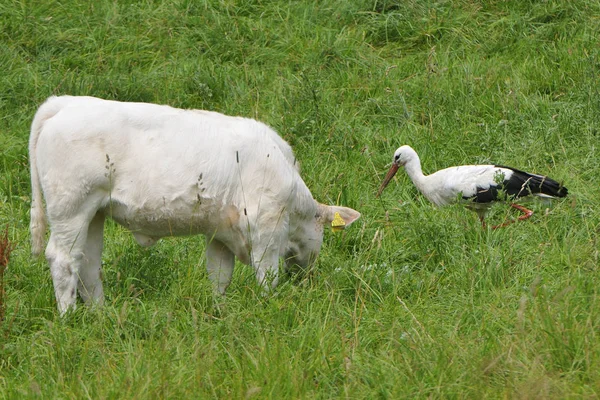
(502, 225)
(526, 214)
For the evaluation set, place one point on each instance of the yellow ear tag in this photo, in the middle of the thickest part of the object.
(338, 222)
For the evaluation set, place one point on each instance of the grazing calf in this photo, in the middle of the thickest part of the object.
(162, 171)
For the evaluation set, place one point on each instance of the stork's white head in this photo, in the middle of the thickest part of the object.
(402, 156)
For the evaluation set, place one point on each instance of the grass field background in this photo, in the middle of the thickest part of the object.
(409, 302)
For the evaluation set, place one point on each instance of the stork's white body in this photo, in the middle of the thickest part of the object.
(448, 185)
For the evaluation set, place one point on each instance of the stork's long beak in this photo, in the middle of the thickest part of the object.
(388, 178)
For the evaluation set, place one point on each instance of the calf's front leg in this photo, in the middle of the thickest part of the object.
(219, 265)
(265, 261)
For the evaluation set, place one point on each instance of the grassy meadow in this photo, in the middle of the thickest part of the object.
(409, 302)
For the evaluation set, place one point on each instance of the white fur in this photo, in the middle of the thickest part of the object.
(161, 171)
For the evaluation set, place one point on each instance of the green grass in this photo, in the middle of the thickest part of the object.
(411, 301)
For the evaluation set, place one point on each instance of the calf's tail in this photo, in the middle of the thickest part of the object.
(37, 224)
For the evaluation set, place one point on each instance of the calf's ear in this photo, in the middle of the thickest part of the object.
(339, 217)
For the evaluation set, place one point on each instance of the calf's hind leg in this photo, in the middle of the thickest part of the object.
(66, 252)
(90, 273)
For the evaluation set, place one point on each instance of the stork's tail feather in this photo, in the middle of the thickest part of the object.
(523, 183)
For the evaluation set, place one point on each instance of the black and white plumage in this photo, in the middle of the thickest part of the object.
(478, 185)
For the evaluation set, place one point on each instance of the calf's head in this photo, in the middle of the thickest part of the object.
(306, 233)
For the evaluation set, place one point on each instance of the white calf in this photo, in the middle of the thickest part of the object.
(161, 171)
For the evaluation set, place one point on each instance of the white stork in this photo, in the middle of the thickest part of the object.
(478, 185)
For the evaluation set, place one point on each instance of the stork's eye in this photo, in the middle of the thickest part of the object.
(397, 157)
